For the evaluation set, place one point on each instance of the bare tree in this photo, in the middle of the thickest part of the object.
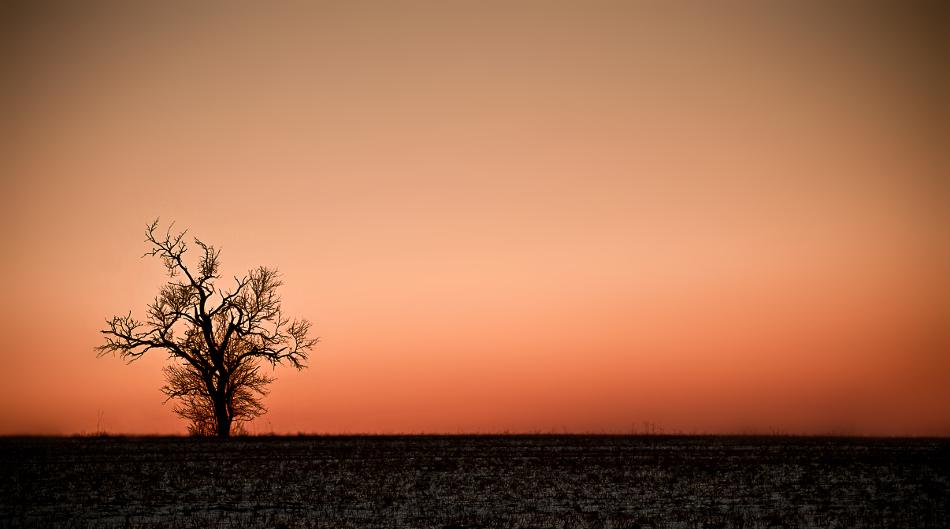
(218, 339)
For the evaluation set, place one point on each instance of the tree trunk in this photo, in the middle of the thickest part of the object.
(224, 427)
(221, 416)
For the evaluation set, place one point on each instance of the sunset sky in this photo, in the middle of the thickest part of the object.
(500, 216)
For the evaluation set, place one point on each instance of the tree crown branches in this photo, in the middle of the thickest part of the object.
(217, 337)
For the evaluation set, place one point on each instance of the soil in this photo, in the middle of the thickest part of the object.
(510, 481)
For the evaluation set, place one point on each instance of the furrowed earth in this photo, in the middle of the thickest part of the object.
(486, 481)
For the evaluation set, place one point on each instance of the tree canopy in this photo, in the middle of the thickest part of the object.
(218, 339)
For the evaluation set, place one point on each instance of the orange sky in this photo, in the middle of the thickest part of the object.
(500, 216)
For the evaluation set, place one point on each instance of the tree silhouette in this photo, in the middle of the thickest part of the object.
(218, 339)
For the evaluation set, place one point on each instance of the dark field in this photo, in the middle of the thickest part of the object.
(475, 481)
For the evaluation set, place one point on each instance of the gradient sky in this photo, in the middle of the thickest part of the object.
(523, 216)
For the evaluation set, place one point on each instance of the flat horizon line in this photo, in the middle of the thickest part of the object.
(301, 435)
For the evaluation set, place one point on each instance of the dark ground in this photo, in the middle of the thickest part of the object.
(537, 481)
